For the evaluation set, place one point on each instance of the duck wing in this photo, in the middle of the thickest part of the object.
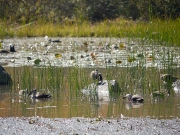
(43, 96)
(137, 98)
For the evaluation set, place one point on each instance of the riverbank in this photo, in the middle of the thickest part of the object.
(79, 125)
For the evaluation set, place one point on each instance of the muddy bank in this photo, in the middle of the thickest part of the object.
(77, 125)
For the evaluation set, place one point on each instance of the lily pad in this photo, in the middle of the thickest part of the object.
(57, 55)
(121, 45)
(118, 62)
(37, 61)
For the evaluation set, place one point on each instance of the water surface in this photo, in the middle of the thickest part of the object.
(64, 71)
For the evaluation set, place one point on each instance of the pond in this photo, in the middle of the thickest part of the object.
(64, 70)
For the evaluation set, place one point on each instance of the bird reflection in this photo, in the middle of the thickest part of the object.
(34, 101)
(130, 105)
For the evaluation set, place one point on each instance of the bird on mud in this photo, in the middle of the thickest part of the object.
(134, 98)
(95, 75)
(35, 94)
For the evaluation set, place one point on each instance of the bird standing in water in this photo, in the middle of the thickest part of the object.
(97, 76)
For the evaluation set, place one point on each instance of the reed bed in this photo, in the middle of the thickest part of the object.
(67, 83)
(134, 78)
(164, 31)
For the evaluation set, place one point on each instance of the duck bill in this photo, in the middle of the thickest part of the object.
(123, 97)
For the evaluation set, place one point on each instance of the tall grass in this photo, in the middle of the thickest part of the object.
(163, 31)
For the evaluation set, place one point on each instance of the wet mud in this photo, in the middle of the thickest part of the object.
(79, 125)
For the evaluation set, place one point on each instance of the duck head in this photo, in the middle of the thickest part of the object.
(33, 93)
(95, 75)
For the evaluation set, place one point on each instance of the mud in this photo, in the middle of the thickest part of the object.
(89, 126)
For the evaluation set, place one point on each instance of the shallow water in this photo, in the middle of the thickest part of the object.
(63, 107)
(67, 99)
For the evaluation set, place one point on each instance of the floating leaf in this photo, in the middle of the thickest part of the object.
(37, 61)
(28, 58)
(121, 45)
(72, 58)
(57, 55)
(118, 62)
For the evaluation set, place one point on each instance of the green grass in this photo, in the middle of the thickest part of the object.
(165, 32)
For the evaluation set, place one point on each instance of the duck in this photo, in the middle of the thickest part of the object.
(95, 75)
(134, 98)
(34, 94)
(168, 78)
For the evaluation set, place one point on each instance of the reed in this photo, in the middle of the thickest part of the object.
(160, 31)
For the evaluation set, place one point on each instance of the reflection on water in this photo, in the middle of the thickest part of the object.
(64, 108)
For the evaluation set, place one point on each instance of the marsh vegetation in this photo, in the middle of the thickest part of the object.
(131, 42)
(64, 71)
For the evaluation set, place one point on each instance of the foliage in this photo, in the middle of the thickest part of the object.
(26, 11)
